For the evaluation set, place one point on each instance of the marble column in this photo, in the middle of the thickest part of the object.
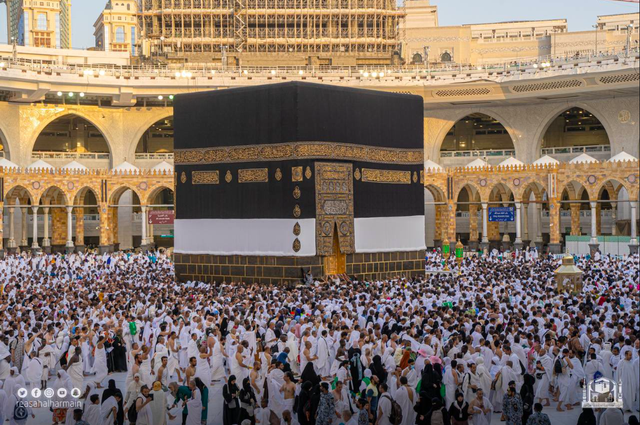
(525, 224)
(11, 243)
(34, 244)
(46, 242)
(143, 239)
(485, 228)
(614, 218)
(593, 243)
(518, 243)
(69, 245)
(538, 241)
(25, 236)
(633, 243)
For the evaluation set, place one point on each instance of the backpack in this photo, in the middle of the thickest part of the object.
(557, 367)
(395, 417)
(132, 413)
(437, 417)
(20, 412)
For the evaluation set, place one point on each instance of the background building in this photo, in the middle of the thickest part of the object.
(40, 24)
(116, 29)
(287, 32)
(519, 41)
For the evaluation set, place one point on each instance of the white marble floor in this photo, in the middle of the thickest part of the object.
(43, 415)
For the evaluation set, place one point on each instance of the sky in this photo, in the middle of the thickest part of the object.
(581, 14)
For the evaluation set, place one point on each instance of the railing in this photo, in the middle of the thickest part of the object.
(583, 213)
(478, 154)
(185, 72)
(155, 155)
(576, 149)
(69, 155)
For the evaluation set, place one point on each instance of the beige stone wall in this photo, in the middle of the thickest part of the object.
(498, 42)
(520, 182)
(37, 187)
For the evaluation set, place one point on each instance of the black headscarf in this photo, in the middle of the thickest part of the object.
(110, 391)
(232, 387)
(377, 368)
(246, 393)
(587, 417)
(310, 375)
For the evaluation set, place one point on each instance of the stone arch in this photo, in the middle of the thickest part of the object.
(503, 191)
(472, 188)
(459, 115)
(555, 112)
(80, 195)
(437, 192)
(54, 192)
(4, 142)
(613, 187)
(115, 194)
(108, 137)
(164, 127)
(575, 191)
(155, 192)
(17, 191)
(537, 188)
(159, 115)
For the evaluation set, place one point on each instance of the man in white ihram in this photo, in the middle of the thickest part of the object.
(322, 363)
(629, 376)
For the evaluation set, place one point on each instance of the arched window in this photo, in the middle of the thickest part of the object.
(445, 57)
(120, 35)
(417, 58)
(42, 21)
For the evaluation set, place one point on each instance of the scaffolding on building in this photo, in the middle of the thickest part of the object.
(360, 28)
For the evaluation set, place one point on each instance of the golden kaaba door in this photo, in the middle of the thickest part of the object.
(334, 214)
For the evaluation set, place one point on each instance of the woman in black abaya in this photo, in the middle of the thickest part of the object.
(231, 407)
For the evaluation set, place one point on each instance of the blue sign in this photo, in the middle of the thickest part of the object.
(501, 213)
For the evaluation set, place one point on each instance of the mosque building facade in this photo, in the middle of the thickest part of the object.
(86, 137)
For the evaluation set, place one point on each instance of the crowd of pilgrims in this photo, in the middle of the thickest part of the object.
(491, 335)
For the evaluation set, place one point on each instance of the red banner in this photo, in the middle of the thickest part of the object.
(161, 217)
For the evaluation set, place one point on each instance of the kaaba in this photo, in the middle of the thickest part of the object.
(275, 181)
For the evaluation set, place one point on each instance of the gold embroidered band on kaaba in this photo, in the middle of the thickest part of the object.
(386, 176)
(298, 150)
(253, 175)
(204, 177)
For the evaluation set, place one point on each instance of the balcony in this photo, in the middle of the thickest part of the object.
(162, 156)
(69, 155)
(88, 159)
(567, 153)
(462, 158)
